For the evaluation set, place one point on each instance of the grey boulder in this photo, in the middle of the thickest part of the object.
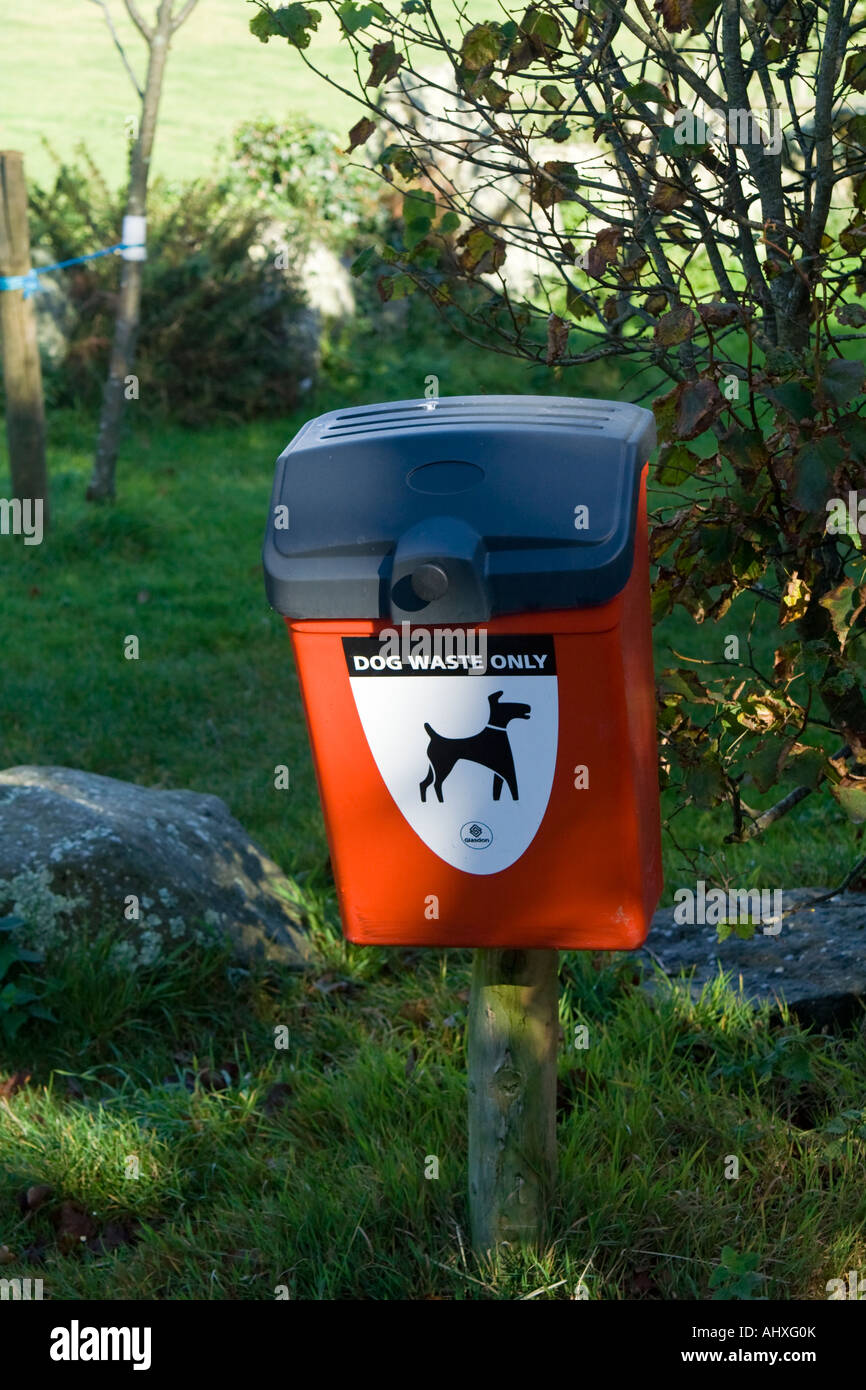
(160, 866)
(816, 962)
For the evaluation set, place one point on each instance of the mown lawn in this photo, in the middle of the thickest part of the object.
(187, 1156)
(218, 75)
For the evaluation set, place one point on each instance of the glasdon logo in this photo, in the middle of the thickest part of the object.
(476, 835)
(77, 1343)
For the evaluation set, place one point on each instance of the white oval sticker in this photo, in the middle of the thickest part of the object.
(467, 754)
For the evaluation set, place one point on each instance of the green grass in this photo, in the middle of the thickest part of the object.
(306, 1172)
(62, 80)
(217, 76)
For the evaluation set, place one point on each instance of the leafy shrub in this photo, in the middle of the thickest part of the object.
(737, 1276)
(19, 1001)
(223, 331)
(299, 172)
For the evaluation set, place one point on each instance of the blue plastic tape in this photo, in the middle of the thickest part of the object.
(29, 283)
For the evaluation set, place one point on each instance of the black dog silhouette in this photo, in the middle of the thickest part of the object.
(490, 748)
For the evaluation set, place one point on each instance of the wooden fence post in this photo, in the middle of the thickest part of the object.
(513, 1037)
(22, 372)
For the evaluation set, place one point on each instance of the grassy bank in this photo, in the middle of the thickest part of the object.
(217, 76)
(163, 1148)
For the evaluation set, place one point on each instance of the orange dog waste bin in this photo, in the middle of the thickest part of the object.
(466, 585)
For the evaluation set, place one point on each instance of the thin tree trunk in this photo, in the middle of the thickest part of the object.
(22, 371)
(102, 484)
(513, 1035)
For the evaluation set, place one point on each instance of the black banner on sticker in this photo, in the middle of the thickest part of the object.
(449, 652)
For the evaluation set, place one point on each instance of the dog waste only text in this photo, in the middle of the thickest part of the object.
(512, 655)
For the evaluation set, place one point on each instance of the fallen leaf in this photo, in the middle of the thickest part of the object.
(36, 1196)
(75, 1227)
(328, 985)
(277, 1098)
(14, 1083)
(218, 1078)
(113, 1236)
(416, 1011)
(644, 1286)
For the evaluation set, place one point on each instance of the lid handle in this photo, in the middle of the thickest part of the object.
(439, 573)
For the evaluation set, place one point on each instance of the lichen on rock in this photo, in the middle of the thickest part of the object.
(81, 851)
(46, 916)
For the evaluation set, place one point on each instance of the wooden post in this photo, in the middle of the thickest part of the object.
(513, 1036)
(22, 372)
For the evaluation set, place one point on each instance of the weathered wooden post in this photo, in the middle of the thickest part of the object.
(22, 372)
(513, 1035)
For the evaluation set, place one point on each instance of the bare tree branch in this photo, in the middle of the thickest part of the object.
(119, 46)
(183, 15)
(835, 38)
(147, 31)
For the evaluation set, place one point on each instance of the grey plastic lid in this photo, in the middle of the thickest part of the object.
(457, 509)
